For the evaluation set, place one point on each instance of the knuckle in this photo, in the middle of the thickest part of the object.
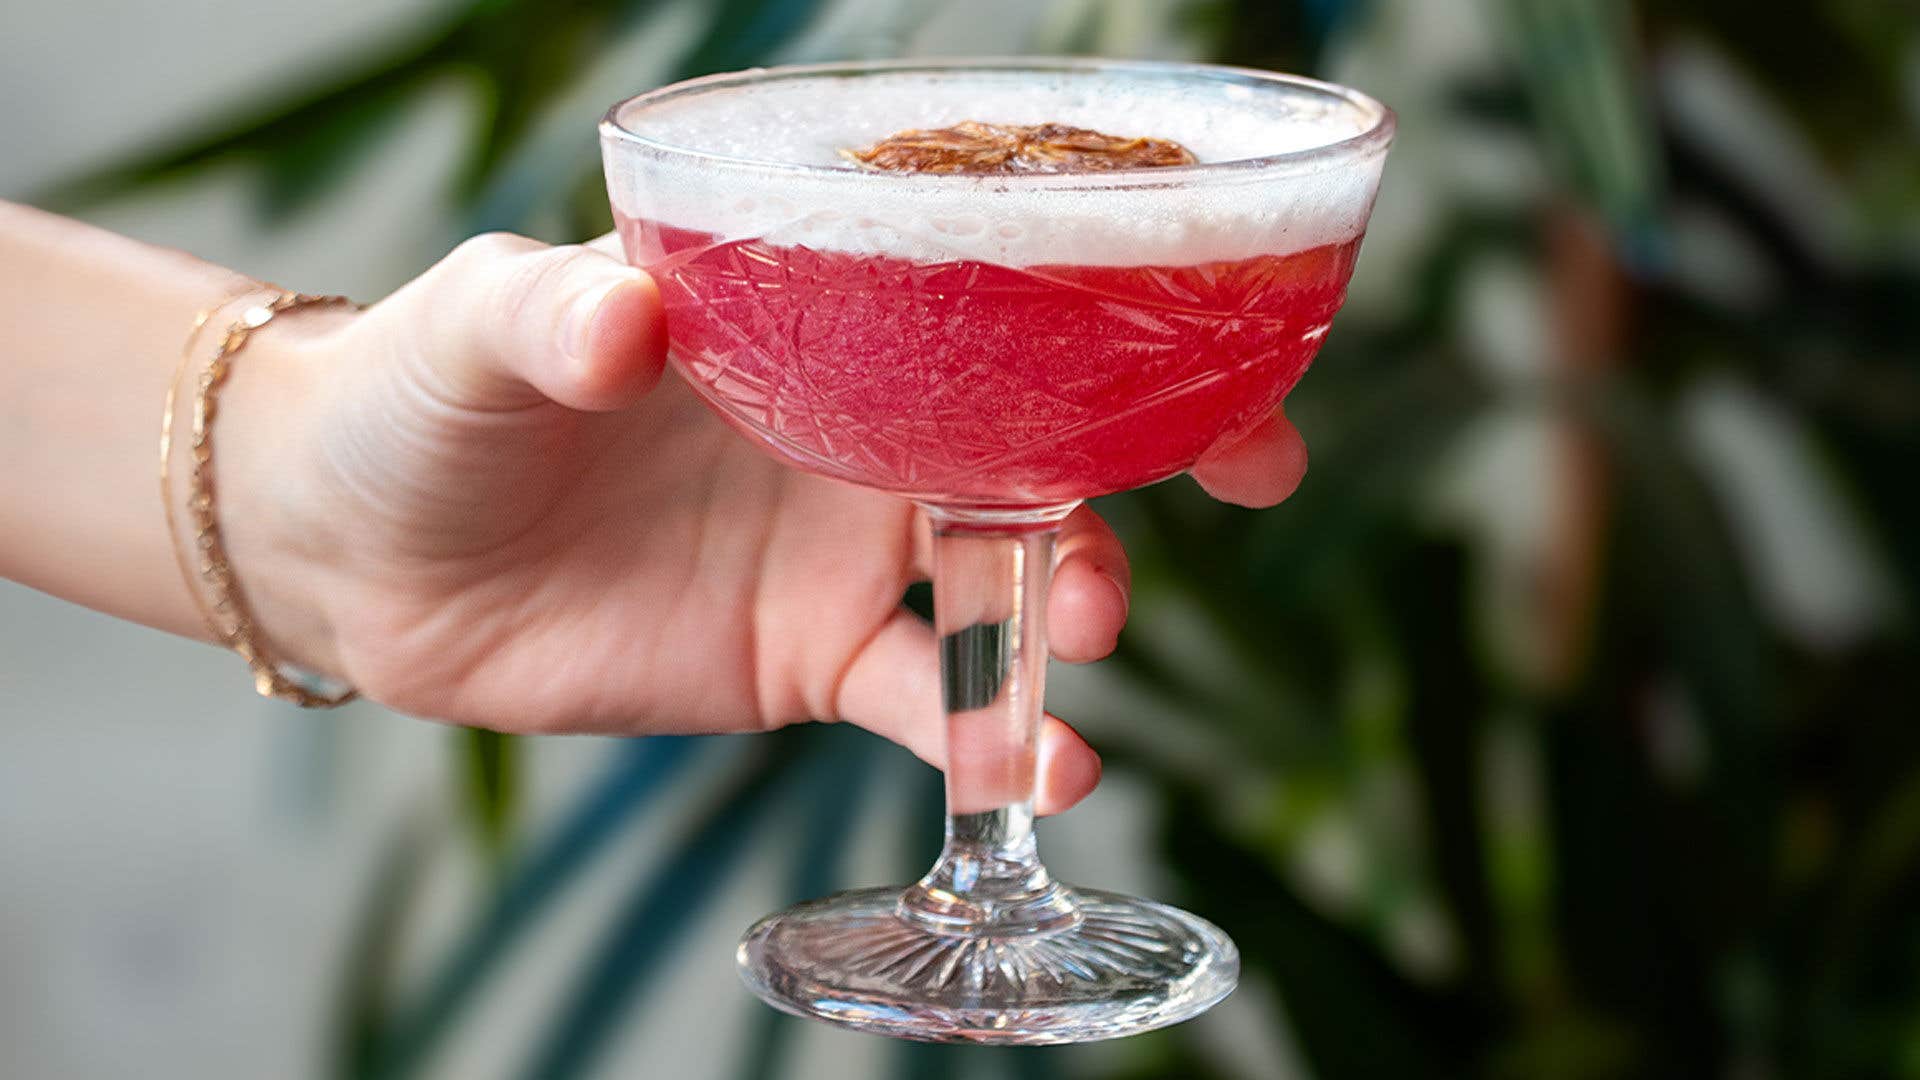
(531, 273)
(487, 247)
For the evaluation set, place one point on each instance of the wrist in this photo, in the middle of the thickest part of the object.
(283, 549)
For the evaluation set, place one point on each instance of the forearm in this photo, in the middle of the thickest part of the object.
(91, 329)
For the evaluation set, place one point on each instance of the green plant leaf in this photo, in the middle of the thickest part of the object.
(510, 186)
(525, 54)
(1676, 567)
(490, 769)
(1659, 864)
(517, 56)
(642, 771)
(832, 803)
(340, 113)
(655, 913)
(1280, 35)
(1350, 1011)
(1582, 70)
(363, 1003)
(745, 31)
(1444, 724)
(1836, 67)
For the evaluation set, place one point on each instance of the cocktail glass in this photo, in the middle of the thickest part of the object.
(996, 348)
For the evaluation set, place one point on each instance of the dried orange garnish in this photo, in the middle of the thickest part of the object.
(975, 148)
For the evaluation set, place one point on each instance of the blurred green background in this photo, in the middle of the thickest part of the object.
(1562, 726)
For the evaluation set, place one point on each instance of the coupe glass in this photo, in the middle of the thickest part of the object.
(996, 348)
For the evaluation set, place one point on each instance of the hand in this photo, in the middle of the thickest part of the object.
(480, 501)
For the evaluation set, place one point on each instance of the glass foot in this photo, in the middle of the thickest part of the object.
(1123, 966)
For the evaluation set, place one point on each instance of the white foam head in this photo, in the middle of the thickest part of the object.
(1284, 164)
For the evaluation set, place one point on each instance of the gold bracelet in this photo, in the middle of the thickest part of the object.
(187, 574)
(238, 631)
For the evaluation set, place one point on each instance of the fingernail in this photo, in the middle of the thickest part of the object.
(1053, 791)
(578, 332)
(1126, 598)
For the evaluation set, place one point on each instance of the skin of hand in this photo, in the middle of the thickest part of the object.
(483, 500)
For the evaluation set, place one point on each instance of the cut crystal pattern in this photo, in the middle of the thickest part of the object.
(1112, 943)
(1127, 966)
(993, 384)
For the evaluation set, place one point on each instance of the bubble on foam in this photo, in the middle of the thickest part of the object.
(987, 218)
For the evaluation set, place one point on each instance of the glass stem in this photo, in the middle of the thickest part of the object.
(990, 576)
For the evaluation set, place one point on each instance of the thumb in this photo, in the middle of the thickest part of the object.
(504, 321)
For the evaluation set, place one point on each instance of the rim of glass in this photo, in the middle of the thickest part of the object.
(1373, 138)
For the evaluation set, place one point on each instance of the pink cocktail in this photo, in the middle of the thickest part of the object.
(997, 349)
(966, 382)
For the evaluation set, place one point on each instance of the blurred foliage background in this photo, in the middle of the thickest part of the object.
(1562, 726)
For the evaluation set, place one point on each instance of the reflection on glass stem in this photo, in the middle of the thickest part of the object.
(975, 659)
(990, 591)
